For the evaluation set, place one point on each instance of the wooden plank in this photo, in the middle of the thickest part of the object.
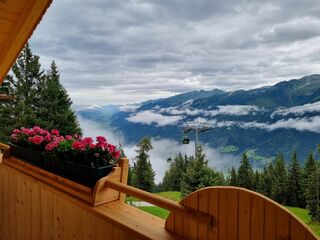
(223, 214)
(12, 213)
(214, 211)
(190, 226)
(124, 164)
(244, 227)
(282, 224)
(24, 27)
(311, 236)
(47, 213)
(297, 231)
(6, 26)
(269, 221)
(9, 16)
(203, 206)
(232, 225)
(178, 224)
(169, 225)
(13, 5)
(257, 217)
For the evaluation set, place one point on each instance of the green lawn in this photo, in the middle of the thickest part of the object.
(156, 211)
(304, 216)
(175, 196)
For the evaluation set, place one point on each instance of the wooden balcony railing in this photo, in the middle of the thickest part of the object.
(35, 204)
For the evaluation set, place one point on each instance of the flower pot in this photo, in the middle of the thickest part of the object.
(53, 165)
(84, 174)
(28, 155)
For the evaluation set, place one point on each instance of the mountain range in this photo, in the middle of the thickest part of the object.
(263, 122)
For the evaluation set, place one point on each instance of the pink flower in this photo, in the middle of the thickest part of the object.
(30, 139)
(53, 145)
(101, 139)
(77, 145)
(14, 136)
(87, 140)
(55, 132)
(102, 145)
(16, 131)
(38, 130)
(47, 138)
(69, 137)
(116, 154)
(76, 136)
(38, 139)
(111, 148)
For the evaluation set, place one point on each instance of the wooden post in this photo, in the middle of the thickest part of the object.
(4, 152)
(124, 164)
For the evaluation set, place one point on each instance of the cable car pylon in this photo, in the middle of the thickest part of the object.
(198, 128)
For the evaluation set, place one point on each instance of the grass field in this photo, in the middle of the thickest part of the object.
(304, 216)
(156, 211)
(175, 196)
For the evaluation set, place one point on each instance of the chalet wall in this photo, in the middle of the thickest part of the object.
(30, 210)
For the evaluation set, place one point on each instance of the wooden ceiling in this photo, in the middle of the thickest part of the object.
(18, 19)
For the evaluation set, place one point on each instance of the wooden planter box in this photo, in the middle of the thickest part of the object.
(94, 195)
(77, 172)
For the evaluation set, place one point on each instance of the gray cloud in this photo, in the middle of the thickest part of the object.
(129, 51)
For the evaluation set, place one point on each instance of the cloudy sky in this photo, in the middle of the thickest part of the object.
(130, 51)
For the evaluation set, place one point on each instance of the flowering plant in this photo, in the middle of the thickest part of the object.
(69, 148)
(35, 138)
(83, 150)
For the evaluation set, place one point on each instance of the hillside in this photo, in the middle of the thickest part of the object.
(264, 121)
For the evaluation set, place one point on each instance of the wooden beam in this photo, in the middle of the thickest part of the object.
(21, 32)
(161, 202)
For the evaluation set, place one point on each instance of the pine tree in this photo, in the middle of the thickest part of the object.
(256, 181)
(173, 176)
(280, 177)
(233, 177)
(295, 196)
(245, 173)
(311, 185)
(5, 111)
(40, 99)
(267, 180)
(55, 104)
(142, 172)
(27, 75)
(197, 175)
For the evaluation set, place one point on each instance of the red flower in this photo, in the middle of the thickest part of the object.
(16, 131)
(14, 136)
(111, 148)
(101, 139)
(55, 132)
(77, 145)
(116, 154)
(38, 140)
(69, 137)
(48, 138)
(87, 140)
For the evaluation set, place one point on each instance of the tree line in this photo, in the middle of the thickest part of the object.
(288, 184)
(39, 98)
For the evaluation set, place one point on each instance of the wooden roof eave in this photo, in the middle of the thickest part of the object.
(28, 18)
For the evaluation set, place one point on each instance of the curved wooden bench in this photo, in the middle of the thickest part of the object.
(238, 214)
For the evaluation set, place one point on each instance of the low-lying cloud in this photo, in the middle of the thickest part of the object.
(298, 110)
(162, 150)
(150, 117)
